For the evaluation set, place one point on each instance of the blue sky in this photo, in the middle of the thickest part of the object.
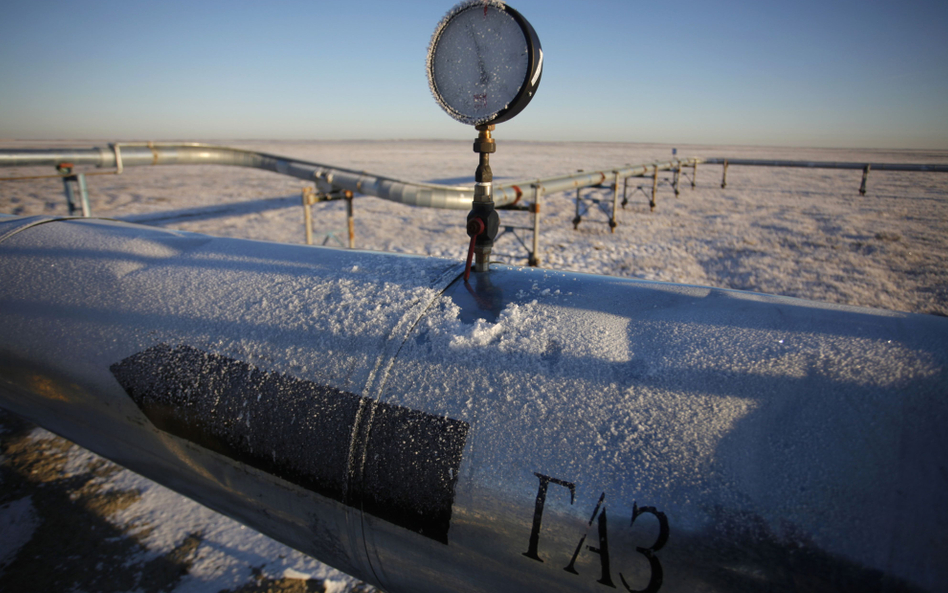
(831, 73)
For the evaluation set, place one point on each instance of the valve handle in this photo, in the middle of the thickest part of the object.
(475, 227)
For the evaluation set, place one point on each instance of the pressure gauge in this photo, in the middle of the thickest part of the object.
(484, 62)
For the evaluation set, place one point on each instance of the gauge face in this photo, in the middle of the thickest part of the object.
(484, 62)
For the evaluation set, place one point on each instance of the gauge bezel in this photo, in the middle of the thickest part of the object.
(531, 79)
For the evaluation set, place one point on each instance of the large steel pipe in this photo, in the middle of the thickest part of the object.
(531, 431)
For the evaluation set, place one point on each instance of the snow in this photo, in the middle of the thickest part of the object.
(804, 233)
(229, 554)
(697, 405)
(795, 232)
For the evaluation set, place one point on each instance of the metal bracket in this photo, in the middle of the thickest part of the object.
(118, 157)
(311, 196)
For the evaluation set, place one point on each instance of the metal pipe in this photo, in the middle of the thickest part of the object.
(117, 151)
(120, 155)
(404, 192)
(309, 196)
(593, 178)
(83, 195)
(483, 222)
(651, 202)
(350, 219)
(534, 260)
(429, 435)
(829, 165)
(137, 154)
(615, 205)
(579, 217)
(70, 192)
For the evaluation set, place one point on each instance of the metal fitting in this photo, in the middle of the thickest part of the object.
(483, 222)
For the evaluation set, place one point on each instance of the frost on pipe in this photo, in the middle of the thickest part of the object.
(534, 431)
(218, 403)
(484, 62)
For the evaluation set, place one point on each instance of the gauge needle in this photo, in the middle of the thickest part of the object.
(484, 78)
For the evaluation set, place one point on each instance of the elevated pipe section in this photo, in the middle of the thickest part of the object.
(552, 185)
(529, 431)
(428, 195)
(828, 165)
(134, 155)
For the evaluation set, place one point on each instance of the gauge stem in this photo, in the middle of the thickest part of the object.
(483, 206)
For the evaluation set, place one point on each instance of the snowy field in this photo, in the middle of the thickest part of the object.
(72, 521)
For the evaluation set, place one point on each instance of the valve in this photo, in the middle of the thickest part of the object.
(483, 222)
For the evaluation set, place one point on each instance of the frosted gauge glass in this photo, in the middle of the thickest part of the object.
(480, 62)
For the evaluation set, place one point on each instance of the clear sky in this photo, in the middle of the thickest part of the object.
(848, 73)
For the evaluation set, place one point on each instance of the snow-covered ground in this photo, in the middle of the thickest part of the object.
(69, 520)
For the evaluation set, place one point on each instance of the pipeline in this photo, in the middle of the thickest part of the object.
(530, 431)
(932, 168)
(330, 178)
